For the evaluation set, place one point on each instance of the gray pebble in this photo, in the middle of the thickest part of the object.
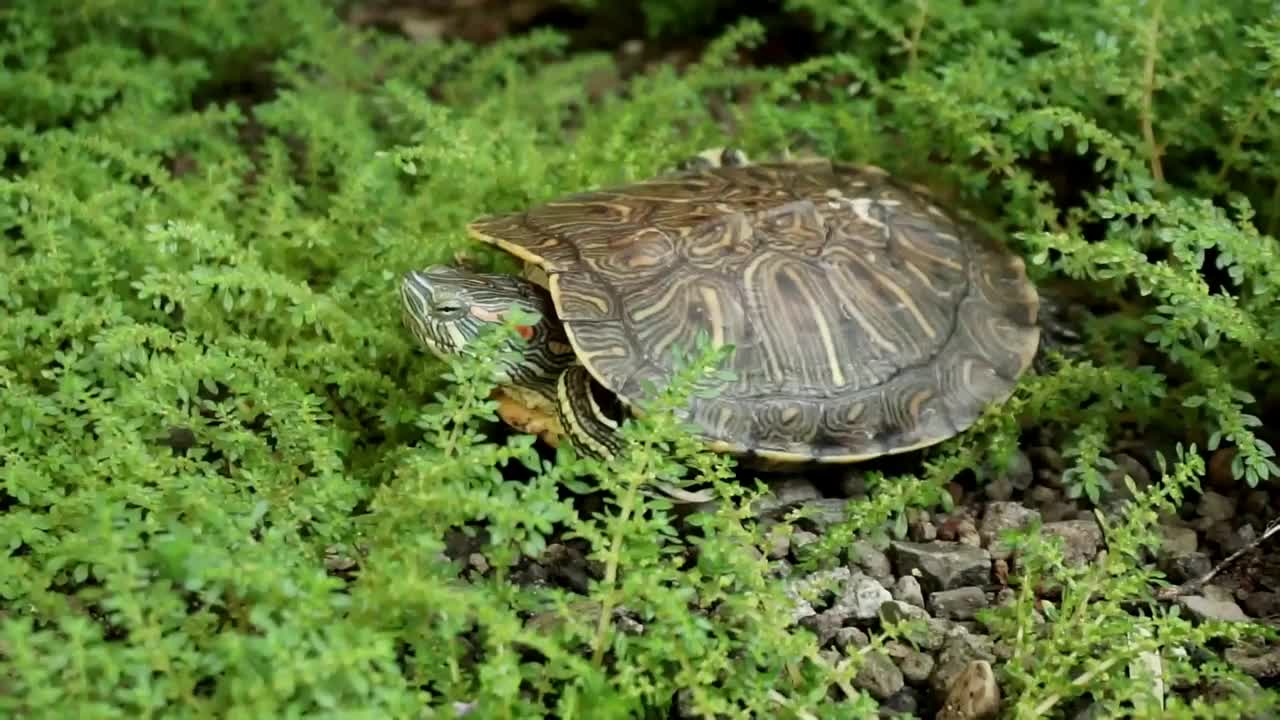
(1216, 507)
(942, 565)
(958, 604)
(907, 589)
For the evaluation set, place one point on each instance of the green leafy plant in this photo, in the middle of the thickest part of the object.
(232, 486)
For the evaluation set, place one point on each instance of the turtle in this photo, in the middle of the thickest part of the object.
(866, 319)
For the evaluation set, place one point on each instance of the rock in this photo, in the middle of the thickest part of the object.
(779, 545)
(1043, 496)
(851, 638)
(1183, 568)
(973, 694)
(784, 494)
(853, 485)
(1258, 503)
(1061, 510)
(879, 676)
(907, 589)
(904, 703)
(1204, 608)
(916, 666)
(923, 531)
(871, 561)
(1081, 539)
(1215, 507)
(1218, 470)
(1259, 662)
(1262, 604)
(895, 611)
(1019, 472)
(1227, 537)
(802, 538)
(1000, 517)
(1127, 464)
(824, 625)
(942, 565)
(960, 648)
(1044, 457)
(1178, 540)
(967, 534)
(999, 489)
(822, 513)
(958, 604)
(862, 598)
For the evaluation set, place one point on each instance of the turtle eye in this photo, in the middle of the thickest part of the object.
(447, 308)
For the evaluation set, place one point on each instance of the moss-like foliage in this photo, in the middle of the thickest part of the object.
(232, 486)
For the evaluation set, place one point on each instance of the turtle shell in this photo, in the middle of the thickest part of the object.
(866, 319)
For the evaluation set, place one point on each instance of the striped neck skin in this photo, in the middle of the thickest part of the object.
(447, 308)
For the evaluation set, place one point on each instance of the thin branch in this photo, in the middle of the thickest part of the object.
(1191, 586)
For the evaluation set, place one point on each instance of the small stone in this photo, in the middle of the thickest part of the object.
(1183, 568)
(942, 565)
(871, 561)
(478, 562)
(999, 518)
(958, 604)
(784, 495)
(1257, 502)
(1228, 537)
(801, 538)
(1259, 662)
(1060, 510)
(822, 513)
(824, 625)
(1019, 472)
(1262, 604)
(967, 534)
(1218, 470)
(923, 531)
(1045, 457)
(999, 489)
(853, 485)
(879, 676)
(1178, 540)
(916, 666)
(973, 694)
(1043, 495)
(779, 545)
(1127, 464)
(1081, 539)
(851, 638)
(1215, 507)
(1204, 608)
(907, 590)
(863, 597)
(960, 648)
(904, 703)
(896, 611)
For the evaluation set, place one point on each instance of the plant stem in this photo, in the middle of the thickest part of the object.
(917, 29)
(1148, 90)
(611, 566)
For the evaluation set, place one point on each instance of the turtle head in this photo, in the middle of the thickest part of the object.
(448, 308)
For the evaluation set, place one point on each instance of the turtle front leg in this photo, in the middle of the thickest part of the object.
(590, 416)
(714, 158)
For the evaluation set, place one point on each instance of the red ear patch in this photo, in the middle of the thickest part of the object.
(526, 331)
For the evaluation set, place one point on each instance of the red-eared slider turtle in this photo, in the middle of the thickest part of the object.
(866, 319)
